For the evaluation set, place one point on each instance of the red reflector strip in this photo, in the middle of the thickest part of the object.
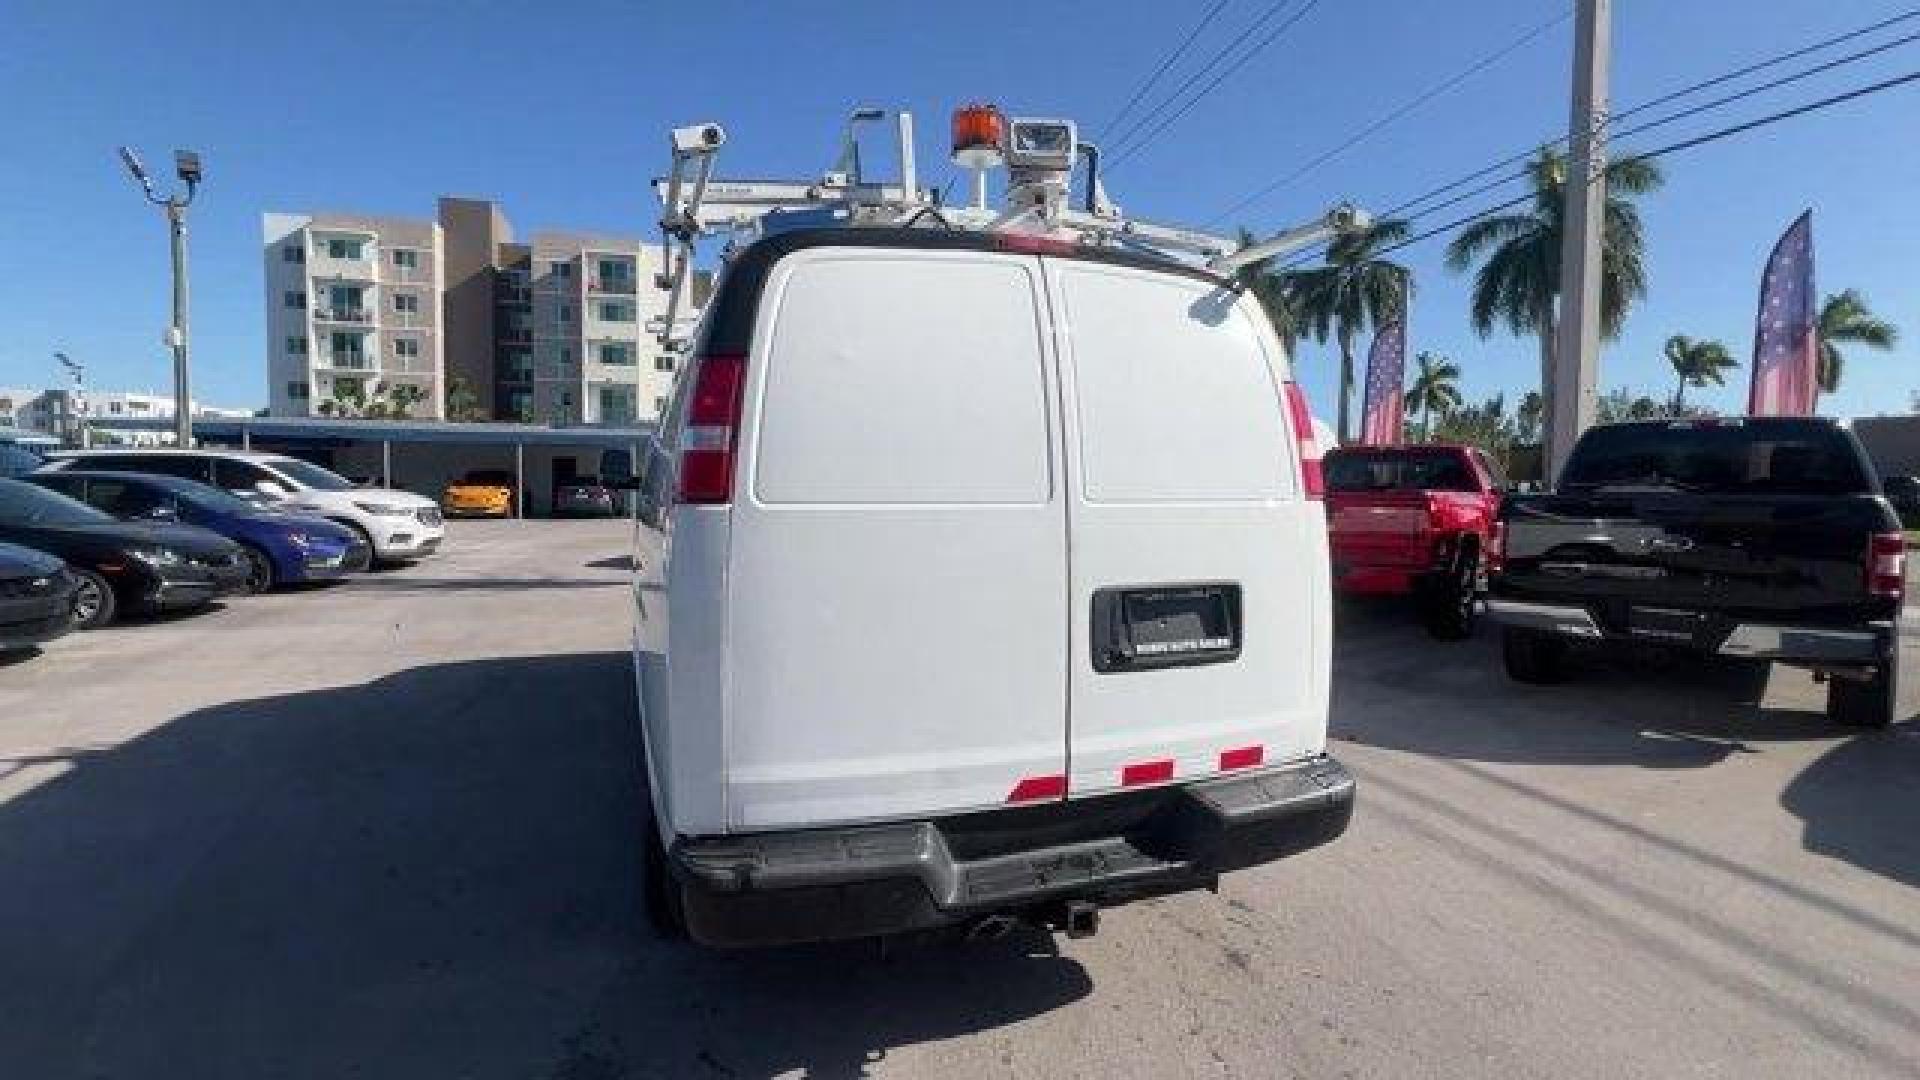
(1040, 787)
(1245, 757)
(1147, 772)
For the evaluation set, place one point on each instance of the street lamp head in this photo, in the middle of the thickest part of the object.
(139, 171)
(187, 164)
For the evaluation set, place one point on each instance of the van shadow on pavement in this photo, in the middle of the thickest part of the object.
(433, 874)
(1861, 803)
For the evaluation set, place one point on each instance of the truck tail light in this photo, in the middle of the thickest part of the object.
(712, 432)
(1887, 565)
(1312, 481)
(1497, 546)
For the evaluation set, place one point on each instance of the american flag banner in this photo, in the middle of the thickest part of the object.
(1385, 412)
(1785, 336)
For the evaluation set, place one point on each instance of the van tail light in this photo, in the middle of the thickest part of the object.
(1497, 547)
(712, 432)
(1312, 481)
(1887, 565)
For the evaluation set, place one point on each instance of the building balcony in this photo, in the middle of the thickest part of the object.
(515, 337)
(360, 315)
(343, 361)
(615, 286)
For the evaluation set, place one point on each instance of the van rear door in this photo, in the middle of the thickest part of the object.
(1198, 623)
(897, 579)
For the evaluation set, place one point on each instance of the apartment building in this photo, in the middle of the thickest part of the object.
(353, 314)
(554, 330)
(109, 417)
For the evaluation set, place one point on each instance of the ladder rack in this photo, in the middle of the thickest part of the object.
(694, 204)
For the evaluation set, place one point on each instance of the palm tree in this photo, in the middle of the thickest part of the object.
(1526, 417)
(1846, 317)
(1518, 284)
(1697, 363)
(1355, 291)
(1436, 388)
(1275, 296)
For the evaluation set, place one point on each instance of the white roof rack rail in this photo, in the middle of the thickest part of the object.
(1039, 154)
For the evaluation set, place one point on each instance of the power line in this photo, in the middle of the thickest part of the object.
(1286, 24)
(1194, 76)
(1709, 106)
(1671, 148)
(1693, 88)
(1172, 58)
(1409, 106)
(1675, 95)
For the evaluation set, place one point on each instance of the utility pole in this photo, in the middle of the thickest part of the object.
(187, 165)
(1576, 356)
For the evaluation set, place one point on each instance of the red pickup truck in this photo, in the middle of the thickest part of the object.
(1418, 521)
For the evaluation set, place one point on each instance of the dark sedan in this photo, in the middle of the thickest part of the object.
(36, 598)
(279, 547)
(118, 566)
(584, 497)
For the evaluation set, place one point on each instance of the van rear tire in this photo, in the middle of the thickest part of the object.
(665, 913)
(1533, 656)
(1865, 704)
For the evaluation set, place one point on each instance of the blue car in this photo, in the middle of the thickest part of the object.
(280, 548)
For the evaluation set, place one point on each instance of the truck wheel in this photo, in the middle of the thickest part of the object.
(1450, 601)
(1532, 656)
(1866, 703)
(664, 913)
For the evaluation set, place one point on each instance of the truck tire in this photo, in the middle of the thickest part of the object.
(1449, 601)
(664, 912)
(1533, 656)
(1868, 703)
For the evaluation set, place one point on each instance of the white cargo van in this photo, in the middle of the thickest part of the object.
(977, 575)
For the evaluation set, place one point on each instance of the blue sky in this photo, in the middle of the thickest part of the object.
(559, 110)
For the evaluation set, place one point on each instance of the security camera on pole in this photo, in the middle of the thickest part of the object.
(186, 164)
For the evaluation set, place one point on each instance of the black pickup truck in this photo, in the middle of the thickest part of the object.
(1762, 538)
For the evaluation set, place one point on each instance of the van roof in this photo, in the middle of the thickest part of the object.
(738, 300)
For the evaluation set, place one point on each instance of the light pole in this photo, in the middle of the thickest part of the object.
(186, 163)
(79, 371)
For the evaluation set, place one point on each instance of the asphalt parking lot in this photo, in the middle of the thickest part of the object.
(387, 829)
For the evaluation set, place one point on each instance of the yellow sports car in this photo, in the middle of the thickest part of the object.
(480, 493)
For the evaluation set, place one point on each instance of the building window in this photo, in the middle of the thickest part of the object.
(616, 353)
(293, 253)
(345, 247)
(659, 405)
(406, 347)
(406, 303)
(566, 312)
(663, 363)
(347, 348)
(566, 355)
(614, 311)
(297, 346)
(406, 259)
(114, 408)
(616, 270)
(560, 269)
(297, 299)
(297, 391)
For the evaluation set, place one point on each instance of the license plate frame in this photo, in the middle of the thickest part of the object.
(1153, 627)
